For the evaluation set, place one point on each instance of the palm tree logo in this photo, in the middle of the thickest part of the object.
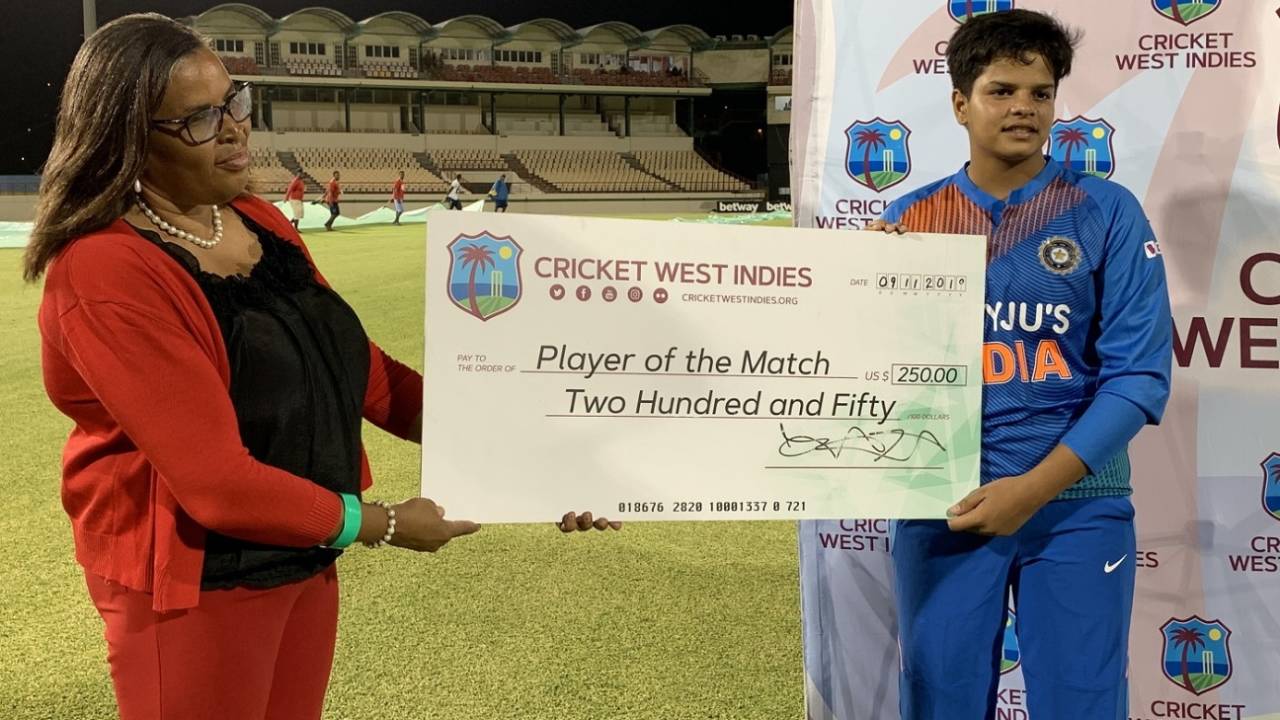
(484, 274)
(878, 156)
(1084, 145)
(478, 258)
(1197, 656)
(965, 10)
(1070, 138)
(1271, 485)
(869, 140)
(1188, 639)
(1185, 12)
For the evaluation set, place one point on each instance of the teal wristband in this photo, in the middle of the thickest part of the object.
(351, 517)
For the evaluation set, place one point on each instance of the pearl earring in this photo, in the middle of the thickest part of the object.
(137, 186)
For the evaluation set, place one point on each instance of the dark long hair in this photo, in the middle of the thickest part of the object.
(116, 83)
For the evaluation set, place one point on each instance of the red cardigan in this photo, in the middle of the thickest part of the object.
(132, 352)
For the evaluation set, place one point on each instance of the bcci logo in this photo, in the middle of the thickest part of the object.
(1184, 12)
(1010, 655)
(1197, 653)
(1060, 255)
(1271, 485)
(1083, 145)
(877, 154)
(484, 274)
(962, 10)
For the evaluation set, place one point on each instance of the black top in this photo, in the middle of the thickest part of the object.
(299, 367)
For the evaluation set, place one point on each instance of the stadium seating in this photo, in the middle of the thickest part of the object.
(494, 73)
(632, 77)
(310, 67)
(266, 173)
(369, 170)
(456, 160)
(689, 171)
(393, 71)
(499, 73)
(588, 171)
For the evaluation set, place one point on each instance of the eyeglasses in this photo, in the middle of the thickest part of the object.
(202, 126)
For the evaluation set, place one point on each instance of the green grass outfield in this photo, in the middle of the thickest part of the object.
(662, 620)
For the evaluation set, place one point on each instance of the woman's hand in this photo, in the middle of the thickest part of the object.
(572, 522)
(421, 525)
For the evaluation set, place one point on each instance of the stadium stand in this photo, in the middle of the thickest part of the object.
(493, 73)
(314, 68)
(420, 86)
(689, 171)
(464, 160)
(633, 77)
(267, 173)
(548, 123)
(454, 120)
(645, 125)
(369, 170)
(390, 71)
(589, 171)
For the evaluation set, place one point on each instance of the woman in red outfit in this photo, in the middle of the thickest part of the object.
(217, 385)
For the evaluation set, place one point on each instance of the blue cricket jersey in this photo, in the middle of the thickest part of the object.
(1077, 334)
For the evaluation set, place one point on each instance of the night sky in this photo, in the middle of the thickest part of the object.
(39, 38)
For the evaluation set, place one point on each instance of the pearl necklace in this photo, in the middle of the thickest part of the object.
(183, 234)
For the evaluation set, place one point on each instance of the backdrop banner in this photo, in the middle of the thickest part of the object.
(1178, 101)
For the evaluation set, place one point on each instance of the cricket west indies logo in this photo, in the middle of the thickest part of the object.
(1010, 655)
(877, 155)
(1197, 653)
(484, 274)
(1271, 485)
(1183, 12)
(1084, 145)
(961, 10)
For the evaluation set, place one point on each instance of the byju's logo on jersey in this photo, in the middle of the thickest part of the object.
(1271, 485)
(1184, 12)
(1083, 145)
(1010, 655)
(877, 155)
(962, 10)
(484, 274)
(1197, 653)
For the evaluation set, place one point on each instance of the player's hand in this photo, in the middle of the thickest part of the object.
(997, 508)
(883, 226)
(573, 522)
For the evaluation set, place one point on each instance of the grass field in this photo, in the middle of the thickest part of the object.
(662, 620)
(488, 305)
(885, 178)
(1191, 10)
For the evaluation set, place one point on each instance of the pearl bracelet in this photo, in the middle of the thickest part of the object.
(391, 525)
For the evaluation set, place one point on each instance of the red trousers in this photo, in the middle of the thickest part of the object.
(240, 655)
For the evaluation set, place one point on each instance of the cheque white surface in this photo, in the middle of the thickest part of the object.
(677, 371)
